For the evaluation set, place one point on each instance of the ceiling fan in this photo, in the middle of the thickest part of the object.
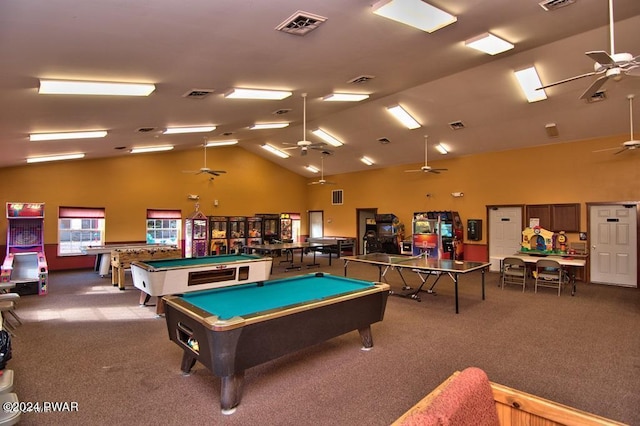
(322, 181)
(205, 169)
(631, 143)
(304, 144)
(607, 66)
(426, 168)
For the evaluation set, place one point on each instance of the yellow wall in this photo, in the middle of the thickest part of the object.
(558, 173)
(129, 184)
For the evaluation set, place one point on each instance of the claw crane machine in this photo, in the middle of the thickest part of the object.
(25, 263)
(196, 234)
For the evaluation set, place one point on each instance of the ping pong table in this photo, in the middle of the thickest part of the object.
(425, 267)
(289, 249)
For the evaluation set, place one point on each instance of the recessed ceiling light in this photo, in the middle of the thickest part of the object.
(488, 43)
(415, 13)
(263, 126)
(530, 84)
(196, 129)
(222, 143)
(238, 93)
(331, 140)
(151, 149)
(45, 158)
(69, 135)
(70, 87)
(345, 97)
(404, 117)
(272, 149)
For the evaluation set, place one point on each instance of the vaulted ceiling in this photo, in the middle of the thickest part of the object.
(216, 45)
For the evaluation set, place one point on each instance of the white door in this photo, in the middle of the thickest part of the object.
(505, 233)
(316, 229)
(613, 235)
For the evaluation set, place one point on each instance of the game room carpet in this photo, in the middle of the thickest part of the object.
(88, 342)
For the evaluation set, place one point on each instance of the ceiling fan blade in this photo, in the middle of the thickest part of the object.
(595, 86)
(601, 57)
(605, 149)
(620, 151)
(412, 171)
(633, 70)
(566, 80)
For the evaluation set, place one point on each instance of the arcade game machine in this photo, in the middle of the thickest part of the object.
(218, 228)
(451, 232)
(196, 234)
(254, 231)
(237, 233)
(370, 239)
(425, 235)
(386, 225)
(289, 227)
(25, 263)
(270, 227)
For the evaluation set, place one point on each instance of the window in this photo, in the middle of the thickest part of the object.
(163, 226)
(79, 227)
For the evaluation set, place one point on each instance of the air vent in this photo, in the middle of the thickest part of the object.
(301, 23)
(384, 141)
(337, 197)
(146, 129)
(361, 79)
(552, 130)
(456, 125)
(282, 111)
(197, 93)
(227, 133)
(597, 97)
(549, 5)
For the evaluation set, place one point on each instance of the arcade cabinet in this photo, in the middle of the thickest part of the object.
(218, 229)
(425, 235)
(270, 227)
(237, 233)
(386, 225)
(196, 234)
(254, 231)
(370, 239)
(451, 232)
(289, 227)
(25, 263)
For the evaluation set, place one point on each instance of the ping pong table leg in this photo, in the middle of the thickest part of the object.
(483, 269)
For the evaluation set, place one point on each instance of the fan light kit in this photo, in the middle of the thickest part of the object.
(70, 135)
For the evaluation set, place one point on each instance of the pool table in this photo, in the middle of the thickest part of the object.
(234, 328)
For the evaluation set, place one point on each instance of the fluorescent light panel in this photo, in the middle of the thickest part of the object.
(312, 169)
(345, 97)
(238, 93)
(404, 117)
(263, 126)
(442, 149)
(366, 160)
(331, 140)
(272, 149)
(222, 143)
(70, 87)
(54, 158)
(195, 129)
(415, 13)
(529, 82)
(144, 149)
(488, 43)
(69, 135)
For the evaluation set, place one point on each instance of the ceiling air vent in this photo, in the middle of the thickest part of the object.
(146, 129)
(361, 79)
(457, 125)
(301, 23)
(197, 93)
(282, 111)
(597, 97)
(549, 5)
(384, 141)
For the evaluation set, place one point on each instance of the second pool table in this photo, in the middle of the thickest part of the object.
(234, 328)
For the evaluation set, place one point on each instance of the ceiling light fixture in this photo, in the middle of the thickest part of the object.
(331, 140)
(145, 149)
(70, 87)
(222, 143)
(238, 93)
(415, 13)
(69, 135)
(272, 149)
(530, 81)
(263, 126)
(489, 43)
(442, 149)
(54, 158)
(345, 97)
(367, 161)
(195, 129)
(312, 169)
(404, 117)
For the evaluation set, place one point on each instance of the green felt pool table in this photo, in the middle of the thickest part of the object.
(234, 328)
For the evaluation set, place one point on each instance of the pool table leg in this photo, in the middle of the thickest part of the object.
(188, 361)
(366, 337)
(231, 392)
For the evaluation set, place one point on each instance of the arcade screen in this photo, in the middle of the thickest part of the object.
(385, 230)
(446, 229)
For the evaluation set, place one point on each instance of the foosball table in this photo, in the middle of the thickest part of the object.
(121, 259)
